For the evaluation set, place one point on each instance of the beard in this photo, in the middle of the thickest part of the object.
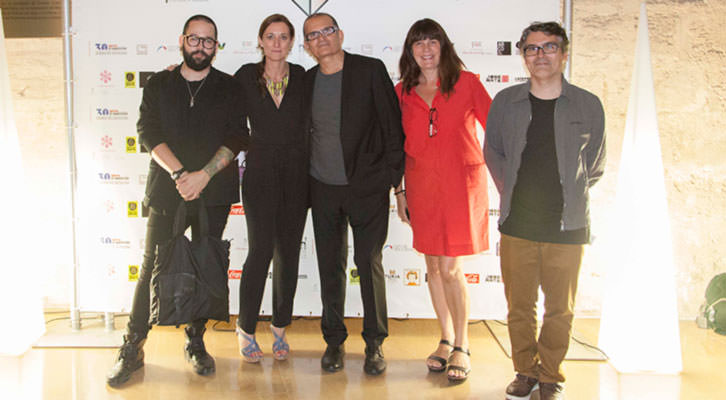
(197, 65)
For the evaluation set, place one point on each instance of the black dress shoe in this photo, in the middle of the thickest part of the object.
(130, 358)
(332, 360)
(375, 364)
(196, 353)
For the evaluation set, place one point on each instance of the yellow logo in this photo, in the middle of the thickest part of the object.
(130, 144)
(133, 209)
(354, 277)
(133, 273)
(130, 79)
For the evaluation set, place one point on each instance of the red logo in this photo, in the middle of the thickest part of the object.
(106, 142)
(505, 78)
(105, 76)
(472, 278)
(233, 274)
(237, 209)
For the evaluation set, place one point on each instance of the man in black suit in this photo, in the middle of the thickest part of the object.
(356, 144)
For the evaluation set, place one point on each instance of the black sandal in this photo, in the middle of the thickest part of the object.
(438, 359)
(466, 371)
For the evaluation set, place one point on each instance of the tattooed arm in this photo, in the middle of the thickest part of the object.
(190, 185)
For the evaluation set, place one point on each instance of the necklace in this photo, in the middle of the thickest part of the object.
(191, 96)
(277, 88)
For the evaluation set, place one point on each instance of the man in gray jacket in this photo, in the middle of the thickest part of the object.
(545, 148)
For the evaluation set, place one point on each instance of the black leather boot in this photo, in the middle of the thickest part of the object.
(196, 353)
(374, 364)
(130, 358)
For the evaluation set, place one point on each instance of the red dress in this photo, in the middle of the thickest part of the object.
(446, 178)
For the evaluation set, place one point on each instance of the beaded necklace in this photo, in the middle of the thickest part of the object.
(277, 89)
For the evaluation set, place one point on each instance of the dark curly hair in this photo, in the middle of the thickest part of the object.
(550, 28)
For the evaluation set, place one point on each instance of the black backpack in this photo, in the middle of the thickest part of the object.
(712, 313)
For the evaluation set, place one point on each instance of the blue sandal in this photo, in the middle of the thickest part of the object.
(252, 352)
(280, 348)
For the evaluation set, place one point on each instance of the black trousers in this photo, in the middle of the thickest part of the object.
(333, 208)
(158, 231)
(275, 197)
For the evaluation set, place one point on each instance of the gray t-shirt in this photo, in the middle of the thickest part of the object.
(326, 158)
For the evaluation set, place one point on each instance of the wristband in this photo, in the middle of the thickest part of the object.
(399, 192)
(178, 173)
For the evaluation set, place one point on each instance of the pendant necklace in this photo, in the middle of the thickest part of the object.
(191, 96)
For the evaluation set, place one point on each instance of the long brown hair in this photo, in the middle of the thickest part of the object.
(450, 65)
(261, 82)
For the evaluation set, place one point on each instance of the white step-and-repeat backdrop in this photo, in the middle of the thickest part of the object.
(118, 44)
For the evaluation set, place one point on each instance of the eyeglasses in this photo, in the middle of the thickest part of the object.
(433, 122)
(194, 40)
(547, 48)
(310, 36)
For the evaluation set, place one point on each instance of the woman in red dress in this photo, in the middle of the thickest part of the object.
(445, 194)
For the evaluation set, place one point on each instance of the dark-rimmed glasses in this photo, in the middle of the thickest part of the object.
(433, 122)
(327, 31)
(194, 40)
(547, 48)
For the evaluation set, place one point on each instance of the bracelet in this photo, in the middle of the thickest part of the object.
(178, 173)
(399, 192)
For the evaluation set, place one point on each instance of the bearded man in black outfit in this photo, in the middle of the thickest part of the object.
(191, 121)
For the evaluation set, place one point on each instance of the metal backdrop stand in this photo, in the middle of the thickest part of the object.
(100, 331)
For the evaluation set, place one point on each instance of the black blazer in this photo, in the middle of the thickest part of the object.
(370, 125)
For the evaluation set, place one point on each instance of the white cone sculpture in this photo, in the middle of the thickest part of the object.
(19, 297)
(639, 326)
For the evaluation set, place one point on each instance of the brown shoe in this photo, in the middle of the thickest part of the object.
(549, 391)
(521, 387)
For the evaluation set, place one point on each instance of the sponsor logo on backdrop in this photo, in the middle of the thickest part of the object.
(142, 49)
(108, 49)
(234, 274)
(144, 77)
(133, 273)
(393, 275)
(397, 247)
(493, 212)
(493, 279)
(132, 209)
(168, 48)
(498, 78)
(110, 270)
(110, 114)
(105, 77)
(143, 178)
(412, 277)
(302, 276)
(115, 243)
(366, 49)
(472, 279)
(354, 278)
(504, 48)
(109, 206)
(246, 47)
(130, 144)
(112, 179)
(309, 7)
(130, 79)
(106, 142)
(237, 209)
(475, 48)
(221, 45)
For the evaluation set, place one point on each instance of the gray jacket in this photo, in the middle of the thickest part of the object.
(579, 144)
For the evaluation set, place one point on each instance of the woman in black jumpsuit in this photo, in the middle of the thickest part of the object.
(274, 185)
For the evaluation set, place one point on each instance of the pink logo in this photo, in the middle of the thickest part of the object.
(106, 142)
(105, 76)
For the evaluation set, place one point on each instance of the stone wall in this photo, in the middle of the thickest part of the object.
(688, 48)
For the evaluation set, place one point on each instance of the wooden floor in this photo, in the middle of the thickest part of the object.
(79, 373)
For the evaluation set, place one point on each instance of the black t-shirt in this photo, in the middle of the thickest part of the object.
(536, 210)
